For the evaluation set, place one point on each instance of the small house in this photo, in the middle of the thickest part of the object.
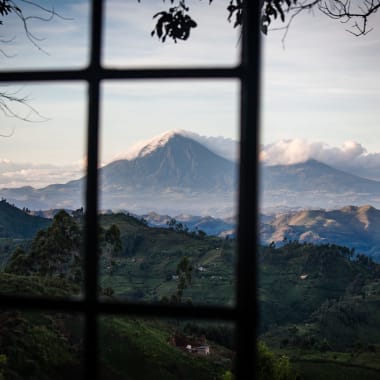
(202, 350)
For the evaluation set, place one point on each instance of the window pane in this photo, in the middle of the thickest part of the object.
(55, 35)
(172, 197)
(40, 345)
(320, 198)
(128, 40)
(165, 349)
(41, 167)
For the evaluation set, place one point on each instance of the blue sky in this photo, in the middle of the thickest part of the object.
(319, 92)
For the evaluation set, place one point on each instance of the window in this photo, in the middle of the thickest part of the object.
(244, 314)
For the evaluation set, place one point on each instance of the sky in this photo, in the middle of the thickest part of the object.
(320, 89)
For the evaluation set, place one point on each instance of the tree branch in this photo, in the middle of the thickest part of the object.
(17, 8)
(8, 98)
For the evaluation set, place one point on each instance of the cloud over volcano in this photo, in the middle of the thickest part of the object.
(352, 156)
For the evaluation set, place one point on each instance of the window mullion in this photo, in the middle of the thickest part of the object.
(91, 362)
(247, 307)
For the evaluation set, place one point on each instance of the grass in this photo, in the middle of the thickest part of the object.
(140, 349)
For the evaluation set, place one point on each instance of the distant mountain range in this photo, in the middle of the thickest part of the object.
(351, 226)
(178, 173)
(312, 184)
(207, 224)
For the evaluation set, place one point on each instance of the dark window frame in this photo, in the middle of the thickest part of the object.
(244, 314)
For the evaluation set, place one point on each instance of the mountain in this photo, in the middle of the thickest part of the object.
(351, 226)
(180, 173)
(221, 146)
(207, 224)
(171, 174)
(173, 161)
(312, 184)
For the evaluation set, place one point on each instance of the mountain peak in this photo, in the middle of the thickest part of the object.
(224, 147)
(143, 148)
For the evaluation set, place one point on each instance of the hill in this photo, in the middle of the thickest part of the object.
(317, 302)
(16, 223)
(320, 308)
(352, 226)
(208, 224)
(46, 345)
(146, 269)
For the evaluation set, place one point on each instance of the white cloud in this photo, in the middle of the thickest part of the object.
(28, 174)
(352, 156)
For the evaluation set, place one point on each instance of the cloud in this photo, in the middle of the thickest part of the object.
(351, 157)
(225, 147)
(25, 174)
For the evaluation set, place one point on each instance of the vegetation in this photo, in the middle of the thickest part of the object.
(54, 252)
(319, 304)
(19, 224)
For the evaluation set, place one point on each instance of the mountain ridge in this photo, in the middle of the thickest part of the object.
(352, 226)
(174, 174)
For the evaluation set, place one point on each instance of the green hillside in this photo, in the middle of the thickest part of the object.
(321, 308)
(38, 346)
(319, 304)
(42, 346)
(17, 228)
(141, 349)
(145, 269)
(16, 223)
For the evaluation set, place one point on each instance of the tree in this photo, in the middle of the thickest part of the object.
(113, 240)
(184, 270)
(54, 252)
(271, 367)
(176, 22)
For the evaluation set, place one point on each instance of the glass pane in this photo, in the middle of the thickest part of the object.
(319, 281)
(129, 43)
(42, 163)
(40, 345)
(45, 35)
(165, 349)
(168, 190)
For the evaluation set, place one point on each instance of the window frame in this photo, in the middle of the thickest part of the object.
(245, 312)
